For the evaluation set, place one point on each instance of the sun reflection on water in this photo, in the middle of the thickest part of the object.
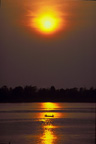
(48, 136)
(50, 106)
(50, 111)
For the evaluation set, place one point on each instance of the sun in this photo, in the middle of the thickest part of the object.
(46, 23)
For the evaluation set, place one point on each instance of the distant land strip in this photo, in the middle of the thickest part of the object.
(26, 94)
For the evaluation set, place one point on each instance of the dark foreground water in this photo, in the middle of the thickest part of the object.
(73, 123)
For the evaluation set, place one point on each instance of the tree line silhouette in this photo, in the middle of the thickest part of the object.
(33, 94)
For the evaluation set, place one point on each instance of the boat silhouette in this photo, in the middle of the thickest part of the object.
(49, 115)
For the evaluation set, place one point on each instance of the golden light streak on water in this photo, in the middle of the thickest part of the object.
(48, 136)
(50, 106)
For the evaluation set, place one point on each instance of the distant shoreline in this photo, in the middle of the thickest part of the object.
(30, 94)
(48, 102)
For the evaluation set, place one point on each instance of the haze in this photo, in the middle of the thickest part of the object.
(65, 59)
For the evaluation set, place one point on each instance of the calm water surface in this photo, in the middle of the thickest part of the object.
(73, 123)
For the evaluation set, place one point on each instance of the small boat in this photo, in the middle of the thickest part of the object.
(49, 115)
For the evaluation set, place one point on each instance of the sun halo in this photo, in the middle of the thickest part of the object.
(46, 23)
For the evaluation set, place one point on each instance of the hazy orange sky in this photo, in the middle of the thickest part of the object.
(64, 58)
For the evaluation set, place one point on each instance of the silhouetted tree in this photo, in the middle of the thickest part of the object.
(32, 94)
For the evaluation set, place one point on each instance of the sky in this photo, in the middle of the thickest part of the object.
(64, 56)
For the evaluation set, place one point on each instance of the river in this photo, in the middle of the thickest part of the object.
(47, 123)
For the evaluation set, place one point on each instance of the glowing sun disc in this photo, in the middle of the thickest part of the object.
(46, 23)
